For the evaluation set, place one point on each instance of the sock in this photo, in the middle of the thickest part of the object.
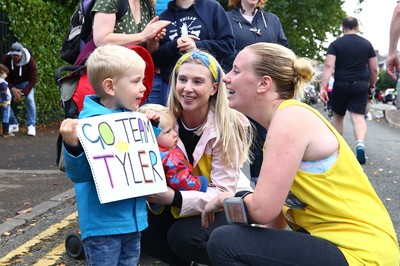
(360, 143)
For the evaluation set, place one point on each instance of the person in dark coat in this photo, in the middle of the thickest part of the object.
(21, 81)
(252, 24)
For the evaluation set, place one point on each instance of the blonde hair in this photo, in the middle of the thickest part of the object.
(110, 61)
(233, 136)
(166, 114)
(289, 72)
(238, 3)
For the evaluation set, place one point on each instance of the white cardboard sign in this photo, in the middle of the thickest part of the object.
(123, 155)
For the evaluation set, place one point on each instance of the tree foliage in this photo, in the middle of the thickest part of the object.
(42, 24)
(308, 23)
(384, 81)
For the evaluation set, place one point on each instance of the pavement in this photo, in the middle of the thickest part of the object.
(392, 116)
(41, 157)
(31, 161)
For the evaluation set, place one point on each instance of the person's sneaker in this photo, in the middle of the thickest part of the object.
(14, 128)
(330, 113)
(361, 154)
(8, 135)
(31, 130)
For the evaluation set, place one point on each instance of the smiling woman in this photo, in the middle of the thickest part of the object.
(215, 140)
(307, 167)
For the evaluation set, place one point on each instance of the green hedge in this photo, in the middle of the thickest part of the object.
(41, 26)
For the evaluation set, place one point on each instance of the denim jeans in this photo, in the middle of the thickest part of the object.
(159, 92)
(6, 113)
(113, 250)
(30, 106)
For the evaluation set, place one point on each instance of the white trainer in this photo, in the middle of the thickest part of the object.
(31, 130)
(14, 128)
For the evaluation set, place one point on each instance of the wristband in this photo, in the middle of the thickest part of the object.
(242, 193)
(177, 201)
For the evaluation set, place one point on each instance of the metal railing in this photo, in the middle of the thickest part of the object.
(6, 36)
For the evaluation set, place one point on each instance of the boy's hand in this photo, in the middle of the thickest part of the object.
(69, 131)
(151, 115)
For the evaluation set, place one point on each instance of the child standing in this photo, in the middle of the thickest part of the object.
(5, 101)
(178, 170)
(110, 232)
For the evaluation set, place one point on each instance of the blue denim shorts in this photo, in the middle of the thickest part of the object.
(121, 250)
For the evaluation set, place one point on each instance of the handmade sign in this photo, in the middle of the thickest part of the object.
(123, 155)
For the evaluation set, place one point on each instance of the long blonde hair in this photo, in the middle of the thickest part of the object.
(232, 134)
(289, 72)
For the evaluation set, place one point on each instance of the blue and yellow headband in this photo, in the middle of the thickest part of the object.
(206, 59)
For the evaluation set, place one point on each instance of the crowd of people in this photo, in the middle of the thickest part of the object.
(224, 96)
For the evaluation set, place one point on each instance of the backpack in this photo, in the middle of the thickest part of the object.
(80, 31)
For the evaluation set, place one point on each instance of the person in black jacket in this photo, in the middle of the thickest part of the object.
(252, 24)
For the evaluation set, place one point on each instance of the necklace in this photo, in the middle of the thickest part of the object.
(190, 129)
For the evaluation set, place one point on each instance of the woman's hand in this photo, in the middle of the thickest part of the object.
(155, 30)
(207, 216)
(187, 43)
(163, 197)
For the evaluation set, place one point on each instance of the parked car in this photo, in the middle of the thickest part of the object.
(388, 95)
(311, 95)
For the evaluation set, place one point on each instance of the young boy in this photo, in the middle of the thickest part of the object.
(110, 232)
(5, 101)
(178, 170)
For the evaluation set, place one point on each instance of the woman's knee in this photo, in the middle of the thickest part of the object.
(219, 237)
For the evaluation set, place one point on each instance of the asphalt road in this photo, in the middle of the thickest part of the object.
(28, 172)
(29, 178)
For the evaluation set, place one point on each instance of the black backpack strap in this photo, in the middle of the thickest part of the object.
(87, 25)
(122, 8)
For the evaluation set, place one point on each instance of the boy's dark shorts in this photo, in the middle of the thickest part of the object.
(349, 96)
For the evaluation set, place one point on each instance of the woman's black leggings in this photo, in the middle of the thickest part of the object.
(178, 241)
(234, 245)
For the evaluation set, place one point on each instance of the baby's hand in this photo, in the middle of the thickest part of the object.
(69, 131)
